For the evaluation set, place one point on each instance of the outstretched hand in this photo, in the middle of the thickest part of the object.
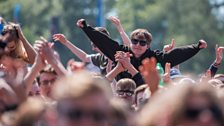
(123, 58)
(219, 54)
(115, 20)
(149, 72)
(169, 47)
(80, 23)
(19, 31)
(45, 49)
(60, 37)
(202, 44)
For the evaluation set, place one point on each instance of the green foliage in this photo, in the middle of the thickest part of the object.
(186, 21)
(36, 18)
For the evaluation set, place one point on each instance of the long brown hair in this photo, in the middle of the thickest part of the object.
(12, 35)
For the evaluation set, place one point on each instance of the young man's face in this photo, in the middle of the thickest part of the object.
(90, 110)
(139, 46)
(126, 95)
(46, 82)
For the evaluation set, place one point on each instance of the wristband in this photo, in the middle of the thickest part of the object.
(216, 64)
(84, 23)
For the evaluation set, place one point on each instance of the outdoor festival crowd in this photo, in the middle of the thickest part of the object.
(123, 84)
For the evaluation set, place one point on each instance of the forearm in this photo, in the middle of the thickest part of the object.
(213, 68)
(124, 36)
(112, 74)
(138, 79)
(29, 49)
(109, 66)
(113, 86)
(131, 69)
(58, 67)
(78, 52)
(136, 76)
(103, 42)
(179, 55)
(30, 76)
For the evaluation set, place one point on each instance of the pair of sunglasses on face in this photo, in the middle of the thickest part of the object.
(141, 42)
(47, 82)
(194, 113)
(79, 114)
(125, 92)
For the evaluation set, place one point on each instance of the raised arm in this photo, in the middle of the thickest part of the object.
(34, 71)
(28, 47)
(166, 76)
(150, 74)
(114, 72)
(179, 54)
(75, 50)
(218, 60)
(169, 47)
(48, 53)
(124, 36)
(102, 41)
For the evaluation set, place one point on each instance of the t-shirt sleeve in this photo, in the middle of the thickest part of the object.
(95, 59)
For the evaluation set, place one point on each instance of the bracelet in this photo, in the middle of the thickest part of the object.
(216, 64)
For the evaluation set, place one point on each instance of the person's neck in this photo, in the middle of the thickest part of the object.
(137, 56)
(46, 98)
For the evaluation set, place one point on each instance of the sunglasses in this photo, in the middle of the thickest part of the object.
(136, 41)
(79, 114)
(125, 92)
(11, 107)
(193, 113)
(46, 82)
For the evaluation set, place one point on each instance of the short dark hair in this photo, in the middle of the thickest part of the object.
(103, 30)
(142, 34)
(47, 69)
(126, 84)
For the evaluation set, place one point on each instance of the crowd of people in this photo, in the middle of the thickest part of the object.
(119, 85)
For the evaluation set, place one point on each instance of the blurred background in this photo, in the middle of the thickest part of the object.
(186, 21)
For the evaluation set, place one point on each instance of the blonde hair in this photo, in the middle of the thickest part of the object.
(29, 112)
(19, 51)
(79, 85)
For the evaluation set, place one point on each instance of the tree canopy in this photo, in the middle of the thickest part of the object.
(185, 21)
